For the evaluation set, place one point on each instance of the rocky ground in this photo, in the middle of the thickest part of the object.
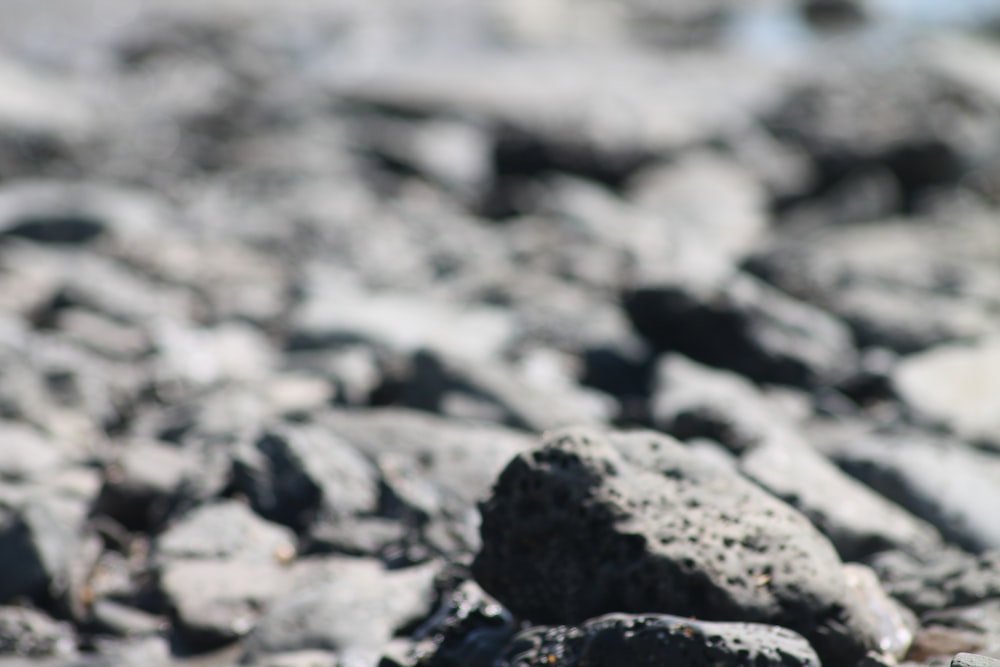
(526, 332)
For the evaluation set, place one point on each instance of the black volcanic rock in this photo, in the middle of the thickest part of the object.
(592, 523)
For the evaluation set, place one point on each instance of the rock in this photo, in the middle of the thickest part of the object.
(226, 529)
(701, 212)
(658, 639)
(43, 106)
(357, 605)
(237, 282)
(977, 625)
(690, 401)
(955, 385)
(710, 197)
(333, 313)
(857, 520)
(215, 602)
(143, 484)
(26, 454)
(459, 459)
(201, 357)
(945, 579)
(972, 660)
(853, 118)
(947, 483)
(469, 629)
(31, 634)
(41, 529)
(592, 523)
(453, 153)
(625, 104)
(446, 384)
(744, 325)
(882, 278)
(966, 62)
(121, 620)
(298, 472)
(102, 335)
(897, 624)
(62, 212)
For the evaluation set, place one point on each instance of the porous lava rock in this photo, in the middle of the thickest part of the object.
(595, 522)
(658, 639)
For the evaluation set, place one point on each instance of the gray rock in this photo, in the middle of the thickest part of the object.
(31, 634)
(896, 623)
(972, 660)
(460, 459)
(945, 482)
(446, 151)
(744, 325)
(693, 401)
(623, 104)
(883, 278)
(978, 625)
(72, 212)
(43, 105)
(41, 531)
(26, 453)
(955, 385)
(122, 620)
(215, 602)
(356, 605)
(444, 383)
(226, 529)
(940, 580)
(236, 281)
(102, 335)
(658, 639)
(333, 312)
(592, 523)
(298, 472)
(858, 521)
(200, 357)
(143, 483)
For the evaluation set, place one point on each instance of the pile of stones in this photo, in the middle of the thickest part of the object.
(448, 334)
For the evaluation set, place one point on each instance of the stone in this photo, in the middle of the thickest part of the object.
(332, 312)
(31, 634)
(940, 580)
(63, 212)
(201, 357)
(459, 459)
(357, 605)
(658, 639)
(689, 400)
(944, 482)
(743, 324)
(857, 520)
(594, 522)
(122, 620)
(954, 385)
(215, 602)
(883, 277)
(143, 483)
(41, 530)
(444, 383)
(972, 660)
(226, 529)
(625, 104)
(469, 629)
(26, 453)
(297, 472)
